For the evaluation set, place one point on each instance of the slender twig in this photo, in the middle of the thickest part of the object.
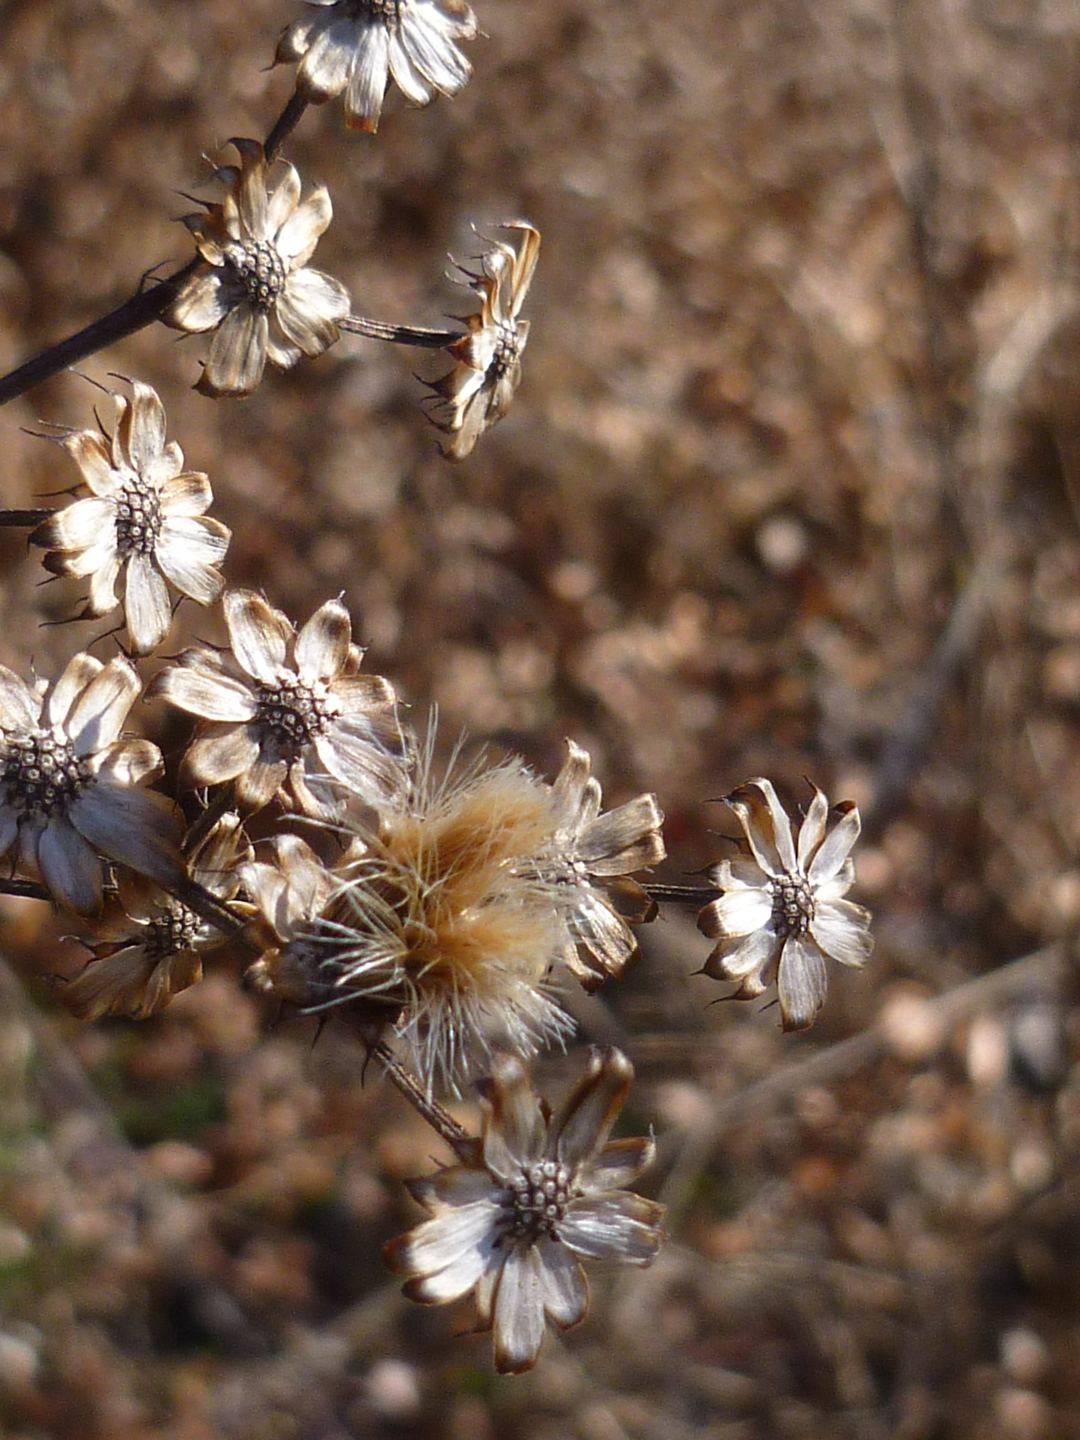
(284, 125)
(682, 894)
(399, 334)
(134, 314)
(24, 889)
(23, 519)
(439, 1119)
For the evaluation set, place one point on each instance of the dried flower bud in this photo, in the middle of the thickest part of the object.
(152, 949)
(540, 1194)
(782, 912)
(477, 393)
(144, 519)
(255, 288)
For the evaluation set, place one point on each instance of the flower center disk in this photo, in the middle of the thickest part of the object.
(292, 716)
(138, 519)
(539, 1196)
(792, 906)
(41, 772)
(174, 930)
(261, 271)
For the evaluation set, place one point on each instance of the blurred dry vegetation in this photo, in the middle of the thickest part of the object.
(791, 487)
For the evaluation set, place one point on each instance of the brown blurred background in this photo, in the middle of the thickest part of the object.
(790, 487)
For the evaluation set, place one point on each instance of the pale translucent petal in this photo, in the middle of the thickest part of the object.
(250, 193)
(95, 719)
(431, 51)
(74, 679)
(322, 646)
(204, 301)
(308, 310)
(102, 597)
(605, 934)
(144, 425)
(835, 848)
(280, 350)
(566, 1295)
(146, 605)
(840, 928)
(69, 867)
(188, 549)
(413, 84)
(165, 469)
(575, 792)
(514, 1127)
(583, 1122)
(258, 786)
(802, 983)
(363, 768)
(370, 71)
(519, 1312)
(260, 635)
(284, 200)
(237, 354)
(213, 759)
(93, 455)
(620, 1226)
(186, 494)
(813, 828)
(766, 825)
(739, 912)
(455, 1279)
(20, 707)
(138, 828)
(129, 762)
(324, 70)
(212, 697)
(87, 522)
(625, 839)
(620, 1163)
(300, 234)
(86, 562)
(744, 959)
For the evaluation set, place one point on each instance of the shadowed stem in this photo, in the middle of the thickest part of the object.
(399, 334)
(23, 519)
(683, 894)
(437, 1117)
(146, 306)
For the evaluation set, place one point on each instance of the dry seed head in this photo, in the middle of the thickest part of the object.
(445, 914)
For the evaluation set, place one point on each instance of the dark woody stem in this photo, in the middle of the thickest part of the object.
(24, 889)
(399, 334)
(144, 307)
(283, 126)
(439, 1119)
(683, 894)
(23, 519)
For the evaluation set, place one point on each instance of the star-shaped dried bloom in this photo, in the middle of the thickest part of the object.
(69, 786)
(289, 709)
(538, 1194)
(255, 288)
(594, 855)
(782, 912)
(477, 392)
(439, 920)
(153, 947)
(144, 518)
(356, 45)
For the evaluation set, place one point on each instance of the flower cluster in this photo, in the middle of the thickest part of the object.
(436, 918)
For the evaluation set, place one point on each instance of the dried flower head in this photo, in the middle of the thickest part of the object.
(594, 855)
(356, 45)
(144, 517)
(153, 947)
(440, 919)
(255, 287)
(289, 709)
(68, 785)
(477, 392)
(539, 1194)
(782, 912)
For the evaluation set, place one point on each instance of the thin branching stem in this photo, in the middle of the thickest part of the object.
(144, 307)
(399, 334)
(436, 1116)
